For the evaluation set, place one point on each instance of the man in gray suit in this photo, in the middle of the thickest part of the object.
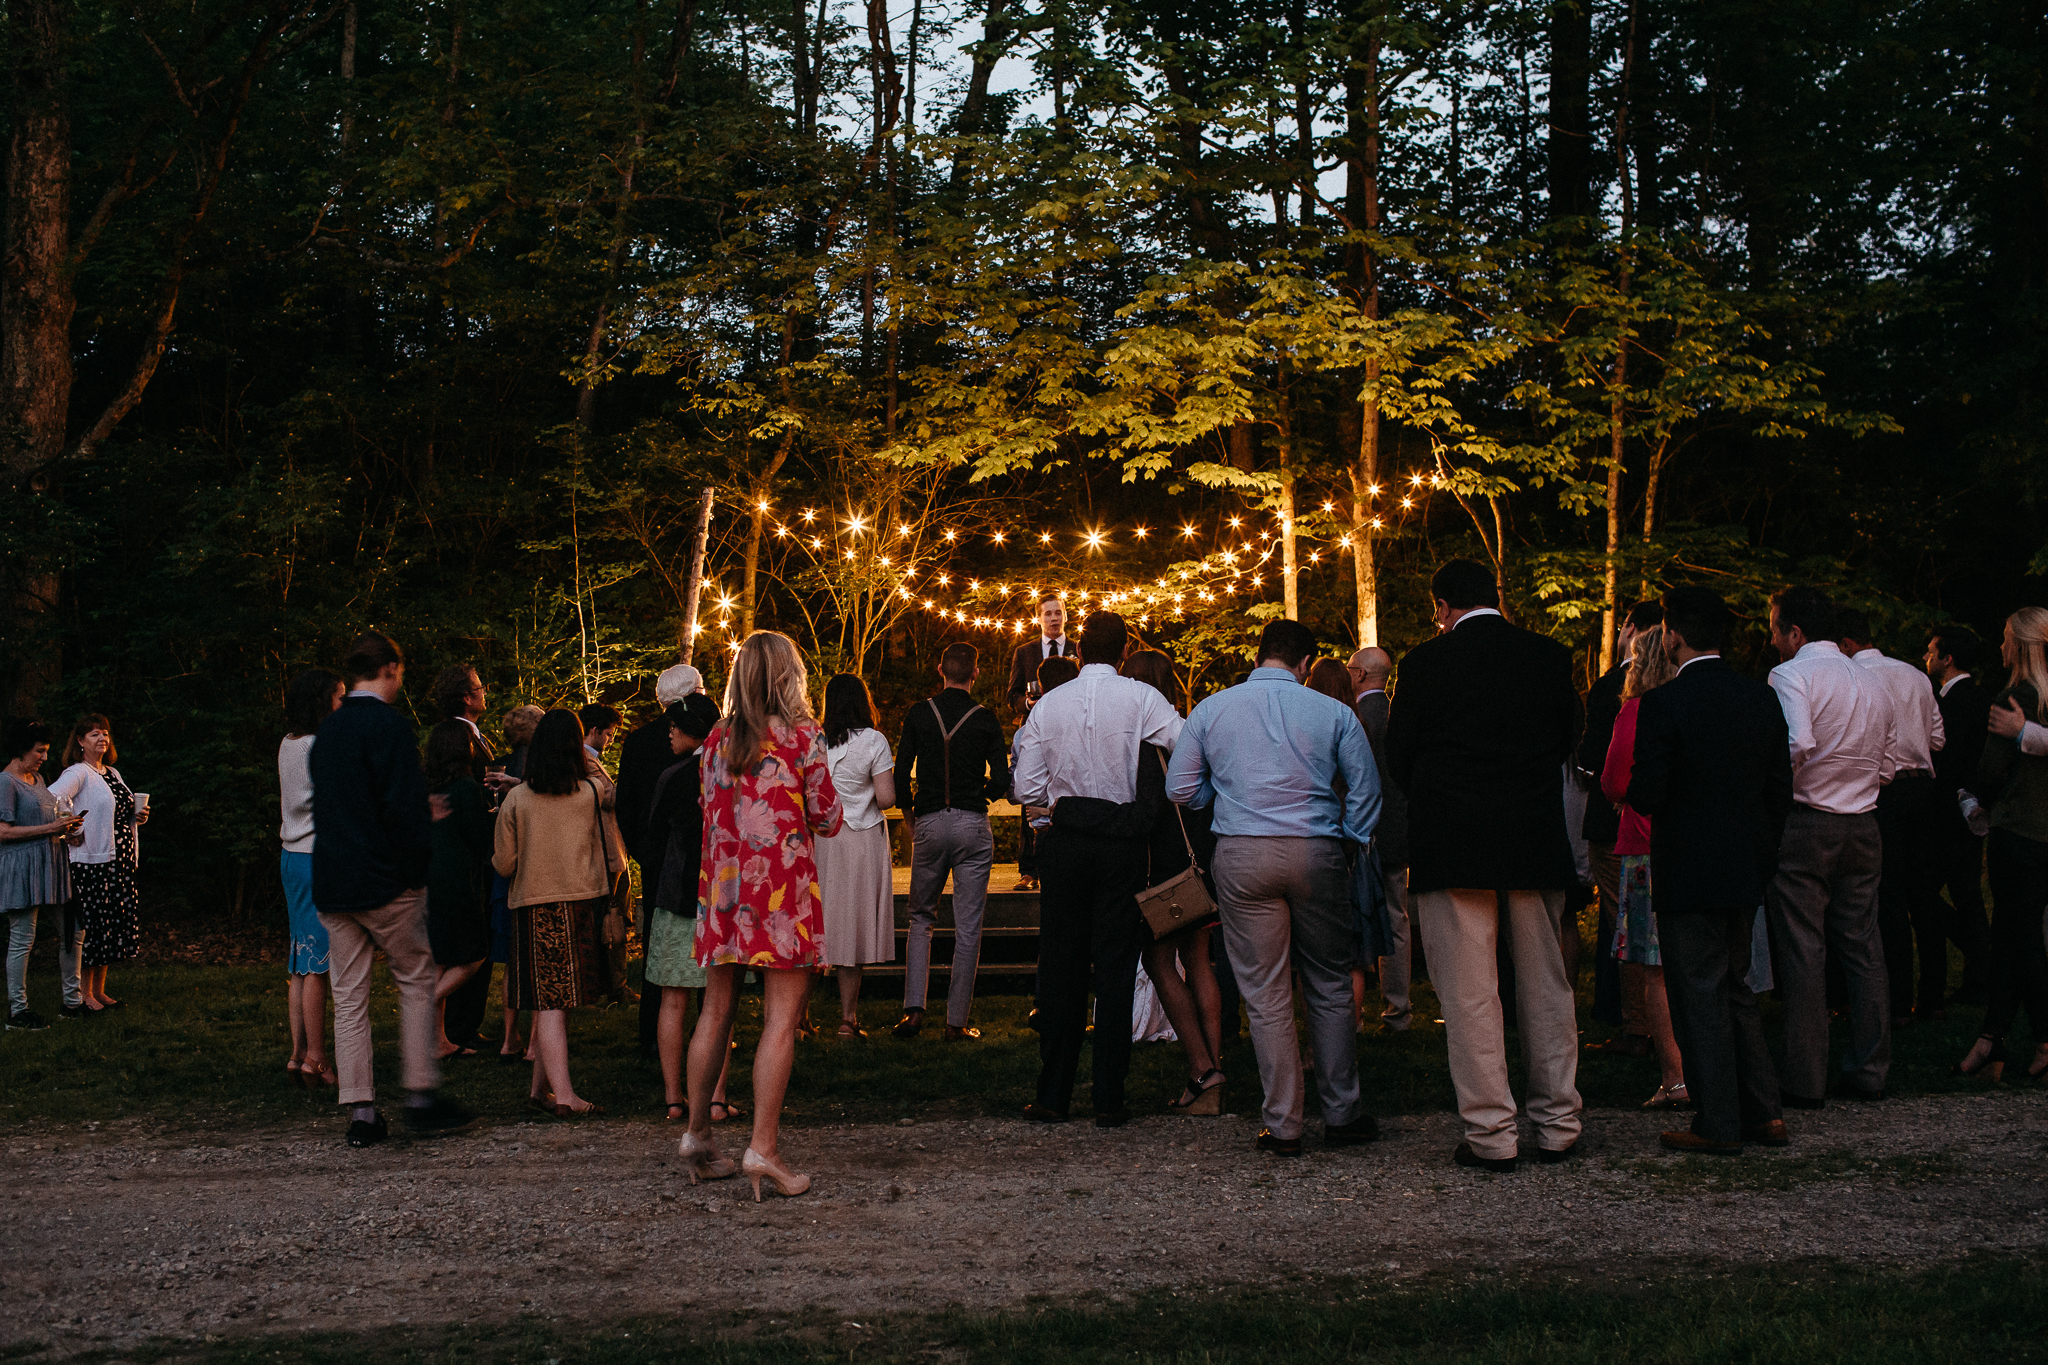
(1370, 668)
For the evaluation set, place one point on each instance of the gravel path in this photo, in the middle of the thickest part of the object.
(120, 1235)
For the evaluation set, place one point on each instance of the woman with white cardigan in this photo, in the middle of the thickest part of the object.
(103, 863)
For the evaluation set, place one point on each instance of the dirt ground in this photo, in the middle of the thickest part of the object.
(119, 1235)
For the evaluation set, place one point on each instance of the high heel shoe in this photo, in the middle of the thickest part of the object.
(760, 1168)
(702, 1161)
(1992, 1065)
(1203, 1098)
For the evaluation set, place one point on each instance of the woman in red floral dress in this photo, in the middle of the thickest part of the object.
(767, 795)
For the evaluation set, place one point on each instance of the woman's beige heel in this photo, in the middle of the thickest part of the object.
(759, 1168)
(702, 1161)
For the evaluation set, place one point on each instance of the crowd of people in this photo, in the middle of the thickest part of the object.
(1299, 833)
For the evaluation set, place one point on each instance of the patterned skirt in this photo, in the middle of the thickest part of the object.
(110, 911)
(1635, 928)
(558, 955)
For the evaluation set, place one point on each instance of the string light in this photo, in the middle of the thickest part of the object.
(1140, 532)
(810, 514)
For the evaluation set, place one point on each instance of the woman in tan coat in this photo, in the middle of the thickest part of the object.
(551, 844)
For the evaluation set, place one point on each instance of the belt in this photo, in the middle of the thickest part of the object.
(1918, 774)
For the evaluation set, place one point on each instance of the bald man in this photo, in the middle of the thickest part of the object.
(1370, 668)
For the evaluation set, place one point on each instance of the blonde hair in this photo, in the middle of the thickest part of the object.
(766, 685)
(1649, 664)
(2029, 627)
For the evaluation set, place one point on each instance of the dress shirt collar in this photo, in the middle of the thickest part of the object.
(1273, 675)
(1477, 611)
(365, 692)
(1047, 643)
(1952, 682)
(1814, 649)
(1867, 655)
(1098, 670)
(1697, 658)
(1368, 692)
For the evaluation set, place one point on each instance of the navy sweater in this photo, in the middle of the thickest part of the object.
(372, 833)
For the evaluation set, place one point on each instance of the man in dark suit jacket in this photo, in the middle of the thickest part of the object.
(1370, 668)
(1965, 716)
(1479, 739)
(1713, 771)
(1051, 642)
(1619, 995)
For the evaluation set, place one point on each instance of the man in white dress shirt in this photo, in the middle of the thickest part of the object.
(1823, 899)
(1083, 740)
(1909, 908)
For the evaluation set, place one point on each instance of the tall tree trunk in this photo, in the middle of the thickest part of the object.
(1570, 140)
(750, 569)
(348, 74)
(1362, 191)
(1617, 411)
(996, 31)
(693, 585)
(1290, 578)
(36, 304)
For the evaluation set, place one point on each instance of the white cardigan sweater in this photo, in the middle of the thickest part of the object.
(91, 797)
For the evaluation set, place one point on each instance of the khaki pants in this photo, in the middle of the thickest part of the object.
(1459, 932)
(400, 929)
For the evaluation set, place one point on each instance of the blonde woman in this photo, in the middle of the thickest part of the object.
(767, 797)
(1635, 920)
(2012, 786)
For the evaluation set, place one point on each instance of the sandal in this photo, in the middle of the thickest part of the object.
(1991, 1064)
(320, 1077)
(732, 1111)
(1669, 1097)
(1203, 1096)
(565, 1111)
(852, 1031)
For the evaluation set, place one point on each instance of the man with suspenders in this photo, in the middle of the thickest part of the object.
(955, 760)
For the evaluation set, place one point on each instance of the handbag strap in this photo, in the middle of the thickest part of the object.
(1180, 819)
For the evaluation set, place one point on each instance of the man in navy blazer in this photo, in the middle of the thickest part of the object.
(1713, 771)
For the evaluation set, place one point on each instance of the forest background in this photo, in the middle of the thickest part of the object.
(325, 314)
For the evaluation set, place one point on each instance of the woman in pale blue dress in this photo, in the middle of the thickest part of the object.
(310, 699)
(35, 871)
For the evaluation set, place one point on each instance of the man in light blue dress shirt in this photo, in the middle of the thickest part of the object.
(1292, 780)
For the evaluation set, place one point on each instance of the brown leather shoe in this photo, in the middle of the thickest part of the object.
(1768, 1134)
(1693, 1142)
(909, 1025)
(962, 1034)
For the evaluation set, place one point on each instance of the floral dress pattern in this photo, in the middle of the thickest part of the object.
(758, 899)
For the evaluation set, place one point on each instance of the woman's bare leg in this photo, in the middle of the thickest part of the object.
(551, 1052)
(313, 1019)
(670, 1043)
(1179, 1003)
(1657, 1009)
(295, 987)
(1201, 980)
(782, 1003)
(708, 1050)
(849, 996)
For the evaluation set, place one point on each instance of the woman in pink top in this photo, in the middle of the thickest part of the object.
(1635, 927)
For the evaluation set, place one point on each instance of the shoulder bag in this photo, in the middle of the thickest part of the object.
(1180, 900)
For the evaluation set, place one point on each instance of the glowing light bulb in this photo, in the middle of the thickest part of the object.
(1407, 502)
(817, 543)
(951, 534)
(1236, 522)
(902, 528)
(1045, 537)
(1187, 533)
(998, 537)
(1377, 523)
(810, 514)
(761, 506)
(1329, 507)
(856, 524)
(1140, 532)
(1373, 489)
(945, 579)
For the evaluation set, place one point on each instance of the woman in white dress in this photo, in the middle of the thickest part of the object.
(853, 865)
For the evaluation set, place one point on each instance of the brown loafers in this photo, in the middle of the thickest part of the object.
(1693, 1142)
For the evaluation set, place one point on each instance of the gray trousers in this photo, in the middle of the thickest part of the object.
(1286, 908)
(1823, 903)
(1394, 968)
(70, 943)
(1714, 1016)
(21, 936)
(959, 842)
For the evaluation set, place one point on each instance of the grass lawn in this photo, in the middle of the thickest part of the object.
(1981, 1311)
(204, 1046)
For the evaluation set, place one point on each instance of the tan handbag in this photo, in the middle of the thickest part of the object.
(613, 927)
(1180, 900)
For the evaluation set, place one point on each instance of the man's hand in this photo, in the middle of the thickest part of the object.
(2007, 720)
(500, 781)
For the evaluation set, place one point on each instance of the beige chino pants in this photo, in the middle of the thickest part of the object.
(400, 929)
(1459, 932)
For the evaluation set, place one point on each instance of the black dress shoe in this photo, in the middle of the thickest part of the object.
(1465, 1156)
(75, 1011)
(1791, 1101)
(1551, 1156)
(367, 1132)
(1113, 1118)
(438, 1117)
(1044, 1113)
(1845, 1091)
(910, 1025)
(1356, 1133)
(1278, 1146)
